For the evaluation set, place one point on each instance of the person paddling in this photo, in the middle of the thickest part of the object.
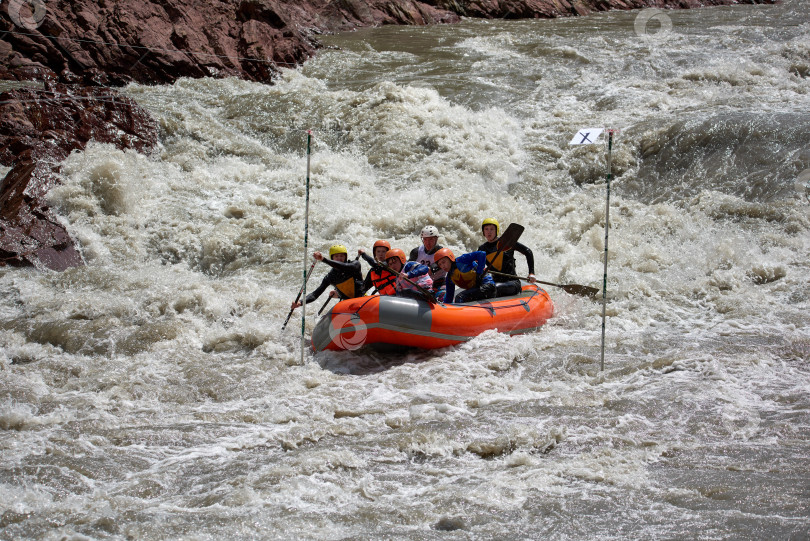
(378, 278)
(346, 276)
(468, 271)
(504, 262)
(411, 277)
(425, 253)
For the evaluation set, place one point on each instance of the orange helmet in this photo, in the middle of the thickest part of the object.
(444, 252)
(383, 243)
(396, 252)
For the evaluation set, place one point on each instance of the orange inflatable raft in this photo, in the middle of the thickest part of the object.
(363, 321)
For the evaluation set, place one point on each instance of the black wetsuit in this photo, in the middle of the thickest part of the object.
(505, 263)
(346, 277)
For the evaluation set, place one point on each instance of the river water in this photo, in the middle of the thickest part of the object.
(151, 394)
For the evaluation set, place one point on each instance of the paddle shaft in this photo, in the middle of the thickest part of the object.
(522, 278)
(324, 305)
(300, 292)
(574, 289)
(331, 297)
(421, 289)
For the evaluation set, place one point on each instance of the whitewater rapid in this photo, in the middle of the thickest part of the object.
(151, 393)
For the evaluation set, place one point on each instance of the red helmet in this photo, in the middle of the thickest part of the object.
(444, 252)
(383, 243)
(396, 252)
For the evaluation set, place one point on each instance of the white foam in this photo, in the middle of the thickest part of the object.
(165, 350)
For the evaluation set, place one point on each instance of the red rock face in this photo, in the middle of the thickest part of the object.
(150, 41)
(38, 129)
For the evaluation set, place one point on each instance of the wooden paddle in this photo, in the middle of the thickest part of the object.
(573, 289)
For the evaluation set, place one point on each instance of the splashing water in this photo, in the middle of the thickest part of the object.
(150, 393)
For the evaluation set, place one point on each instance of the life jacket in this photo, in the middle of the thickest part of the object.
(499, 261)
(383, 281)
(464, 280)
(346, 278)
(427, 259)
(348, 288)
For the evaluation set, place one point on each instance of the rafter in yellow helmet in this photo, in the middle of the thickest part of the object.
(492, 221)
(338, 249)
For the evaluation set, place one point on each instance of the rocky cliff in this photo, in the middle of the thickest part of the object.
(104, 42)
(77, 49)
(38, 129)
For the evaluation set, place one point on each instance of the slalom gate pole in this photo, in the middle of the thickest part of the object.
(306, 240)
(607, 228)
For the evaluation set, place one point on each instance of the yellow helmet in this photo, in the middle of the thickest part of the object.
(338, 249)
(492, 221)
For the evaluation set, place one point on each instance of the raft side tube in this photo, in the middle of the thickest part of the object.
(354, 323)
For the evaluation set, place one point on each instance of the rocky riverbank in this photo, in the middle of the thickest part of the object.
(38, 129)
(76, 50)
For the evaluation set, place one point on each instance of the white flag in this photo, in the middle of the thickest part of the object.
(587, 136)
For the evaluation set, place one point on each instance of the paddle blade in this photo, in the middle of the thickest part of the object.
(510, 237)
(584, 291)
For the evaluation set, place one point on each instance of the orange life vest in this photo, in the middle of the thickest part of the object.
(383, 281)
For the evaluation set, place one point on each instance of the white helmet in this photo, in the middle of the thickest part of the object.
(429, 231)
